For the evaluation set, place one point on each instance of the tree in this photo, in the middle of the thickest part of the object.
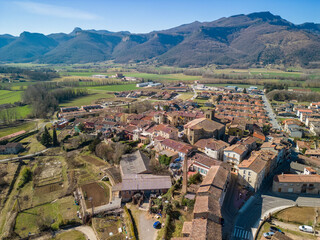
(244, 90)
(54, 138)
(164, 159)
(93, 144)
(46, 138)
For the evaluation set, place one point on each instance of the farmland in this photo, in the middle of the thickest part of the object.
(99, 193)
(93, 96)
(9, 96)
(53, 214)
(18, 127)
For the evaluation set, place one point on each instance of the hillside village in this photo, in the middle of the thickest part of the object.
(189, 164)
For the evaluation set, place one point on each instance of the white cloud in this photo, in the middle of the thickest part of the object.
(56, 11)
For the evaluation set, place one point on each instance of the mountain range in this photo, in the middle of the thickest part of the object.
(242, 40)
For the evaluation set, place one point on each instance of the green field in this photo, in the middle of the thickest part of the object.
(150, 76)
(115, 88)
(9, 96)
(55, 213)
(87, 100)
(25, 126)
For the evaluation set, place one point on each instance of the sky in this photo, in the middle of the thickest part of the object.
(138, 16)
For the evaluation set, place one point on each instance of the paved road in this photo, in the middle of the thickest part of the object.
(290, 226)
(195, 93)
(271, 114)
(25, 156)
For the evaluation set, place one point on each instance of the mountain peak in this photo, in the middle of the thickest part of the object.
(75, 31)
(264, 16)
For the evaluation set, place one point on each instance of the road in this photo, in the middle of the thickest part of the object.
(25, 156)
(145, 225)
(195, 94)
(271, 114)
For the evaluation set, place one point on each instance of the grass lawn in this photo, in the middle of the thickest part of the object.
(71, 235)
(298, 215)
(25, 126)
(87, 100)
(58, 211)
(9, 96)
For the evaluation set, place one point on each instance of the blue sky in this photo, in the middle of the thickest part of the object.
(138, 16)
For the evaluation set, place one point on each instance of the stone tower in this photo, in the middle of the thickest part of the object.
(209, 114)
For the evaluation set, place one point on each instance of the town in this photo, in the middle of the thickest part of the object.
(166, 161)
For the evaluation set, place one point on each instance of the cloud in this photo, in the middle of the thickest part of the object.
(56, 11)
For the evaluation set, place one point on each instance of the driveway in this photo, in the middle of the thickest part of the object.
(145, 225)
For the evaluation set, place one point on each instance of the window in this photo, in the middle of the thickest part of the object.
(249, 173)
(249, 179)
(244, 172)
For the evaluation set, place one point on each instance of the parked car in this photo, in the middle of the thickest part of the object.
(274, 229)
(268, 235)
(157, 225)
(306, 228)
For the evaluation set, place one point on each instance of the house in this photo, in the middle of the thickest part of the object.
(201, 163)
(250, 143)
(293, 183)
(315, 128)
(164, 131)
(203, 128)
(234, 154)
(145, 184)
(313, 153)
(212, 147)
(11, 148)
(180, 147)
(303, 145)
(134, 163)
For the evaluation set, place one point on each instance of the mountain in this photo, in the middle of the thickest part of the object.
(241, 40)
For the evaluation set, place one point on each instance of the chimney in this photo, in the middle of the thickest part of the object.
(185, 176)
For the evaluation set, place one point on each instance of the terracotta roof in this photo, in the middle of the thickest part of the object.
(259, 135)
(177, 146)
(204, 160)
(211, 143)
(288, 178)
(206, 124)
(313, 152)
(237, 148)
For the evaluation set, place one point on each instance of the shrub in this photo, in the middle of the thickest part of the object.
(25, 178)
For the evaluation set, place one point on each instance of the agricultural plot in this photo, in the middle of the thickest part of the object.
(96, 162)
(50, 214)
(93, 97)
(98, 192)
(9, 96)
(7, 172)
(70, 235)
(107, 226)
(27, 126)
(116, 88)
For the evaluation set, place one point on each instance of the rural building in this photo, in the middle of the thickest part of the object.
(134, 163)
(144, 184)
(293, 183)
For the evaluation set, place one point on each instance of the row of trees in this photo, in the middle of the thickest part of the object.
(43, 74)
(45, 98)
(282, 95)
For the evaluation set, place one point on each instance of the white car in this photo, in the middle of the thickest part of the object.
(306, 228)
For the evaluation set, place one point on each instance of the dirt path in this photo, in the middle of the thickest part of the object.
(88, 231)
